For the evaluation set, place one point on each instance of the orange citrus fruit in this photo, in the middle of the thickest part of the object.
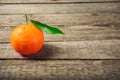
(27, 39)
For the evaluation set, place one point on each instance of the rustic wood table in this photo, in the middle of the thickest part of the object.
(89, 49)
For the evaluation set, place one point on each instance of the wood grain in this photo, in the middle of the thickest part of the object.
(106, 19)
(54, 1)
(99, 49)
(60, 70)
(59, 8)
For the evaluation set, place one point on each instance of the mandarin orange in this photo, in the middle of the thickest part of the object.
(27, 39)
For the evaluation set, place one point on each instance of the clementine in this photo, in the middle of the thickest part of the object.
(27, 39)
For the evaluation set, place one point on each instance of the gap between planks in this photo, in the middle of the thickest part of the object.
(48, 59)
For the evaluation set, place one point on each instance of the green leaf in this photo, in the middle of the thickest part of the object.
(46, 28)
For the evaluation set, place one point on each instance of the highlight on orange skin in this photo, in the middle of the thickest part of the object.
(27, 39)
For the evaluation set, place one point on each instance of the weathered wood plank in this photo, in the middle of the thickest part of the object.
(60, 70)
(72, 33)
(108, 19)
(106, 35)
(54, 1)
(59, 8)
(99, 49)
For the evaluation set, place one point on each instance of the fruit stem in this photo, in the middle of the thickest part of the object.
(27, 20)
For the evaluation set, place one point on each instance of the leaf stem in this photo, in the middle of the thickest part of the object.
(27, 20)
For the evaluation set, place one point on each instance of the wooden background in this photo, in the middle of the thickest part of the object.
(89, 50)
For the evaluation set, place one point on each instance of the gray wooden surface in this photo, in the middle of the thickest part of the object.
(89, 49)
(60, 70)
(59, 8)
(54, 1)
